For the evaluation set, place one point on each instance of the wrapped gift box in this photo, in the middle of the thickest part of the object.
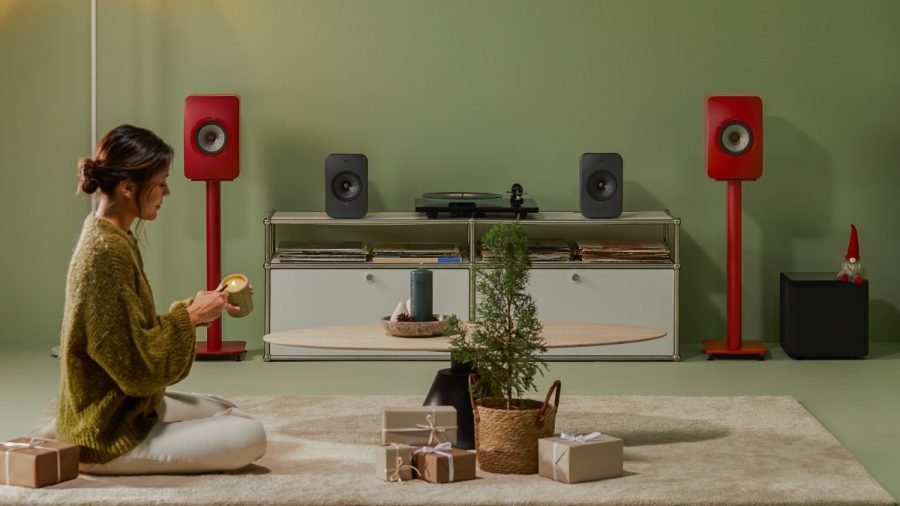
(442, 464)
(33, 462)
(419, 425)
(393, 462)
(573, 461)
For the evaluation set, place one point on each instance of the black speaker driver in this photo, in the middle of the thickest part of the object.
(602, 185)
(735, 138)
(346, 186)
(211, 138)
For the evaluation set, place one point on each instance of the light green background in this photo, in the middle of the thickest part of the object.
(463, 95)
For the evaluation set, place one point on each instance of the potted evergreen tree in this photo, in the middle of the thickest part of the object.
(505, 347)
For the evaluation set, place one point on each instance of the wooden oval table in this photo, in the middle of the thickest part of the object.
(372, 337)
(450, 386)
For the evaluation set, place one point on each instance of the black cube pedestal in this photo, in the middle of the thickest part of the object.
(823, 317)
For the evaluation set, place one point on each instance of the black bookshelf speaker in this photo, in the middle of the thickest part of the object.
(600, 195)
(346, 185)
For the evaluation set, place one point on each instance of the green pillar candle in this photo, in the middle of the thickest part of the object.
(420, 295)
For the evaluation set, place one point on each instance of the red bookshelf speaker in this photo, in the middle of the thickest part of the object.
(212, 154)
(211, 137)
(734, 138)
(734, 154)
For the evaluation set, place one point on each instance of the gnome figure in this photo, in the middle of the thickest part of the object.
(851, 269)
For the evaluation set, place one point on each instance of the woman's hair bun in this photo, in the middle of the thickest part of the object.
(87, 174)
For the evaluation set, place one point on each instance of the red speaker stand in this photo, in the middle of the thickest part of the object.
(719, 347)
(214, 347)
(733, 345)
(226, 348)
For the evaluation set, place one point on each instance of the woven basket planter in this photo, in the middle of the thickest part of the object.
(507, 439)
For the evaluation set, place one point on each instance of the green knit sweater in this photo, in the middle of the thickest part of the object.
(117, 355)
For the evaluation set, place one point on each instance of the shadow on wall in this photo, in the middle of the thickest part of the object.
(883, 315)
(293, 173)
(794, 204)
(700, 283)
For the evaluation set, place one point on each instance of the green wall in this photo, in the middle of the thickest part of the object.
(44, 129)
(469, 95)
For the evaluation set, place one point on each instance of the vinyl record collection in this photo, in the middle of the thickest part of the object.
(539, 250)
(623, 251)
(594, 251)
(299, 252)
(416, 252)
(549, 250)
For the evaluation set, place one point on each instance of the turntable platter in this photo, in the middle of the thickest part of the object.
(460, 196)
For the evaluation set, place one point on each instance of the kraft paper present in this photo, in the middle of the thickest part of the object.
(419, 425)
(35, 462)
(442, 464)
(393, 462)
(577, 461)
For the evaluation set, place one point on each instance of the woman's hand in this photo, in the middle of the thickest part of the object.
(207, 307)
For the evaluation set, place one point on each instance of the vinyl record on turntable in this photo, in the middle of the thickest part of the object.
(460, 196)
(466, 204)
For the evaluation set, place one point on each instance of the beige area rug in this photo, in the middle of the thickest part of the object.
(678, 450)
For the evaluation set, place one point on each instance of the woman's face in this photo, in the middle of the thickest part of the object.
(157, 188)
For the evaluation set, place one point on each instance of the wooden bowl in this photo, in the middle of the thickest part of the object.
(415, 329)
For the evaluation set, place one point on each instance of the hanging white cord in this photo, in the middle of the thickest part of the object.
(93, 89)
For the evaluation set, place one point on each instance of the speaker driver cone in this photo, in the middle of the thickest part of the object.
(735, 138)
(602, 185)
(346, 186)
(211, 138)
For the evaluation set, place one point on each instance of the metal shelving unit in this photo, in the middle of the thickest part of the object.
(660, 224)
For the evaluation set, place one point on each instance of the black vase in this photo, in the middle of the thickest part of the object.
(451, 388)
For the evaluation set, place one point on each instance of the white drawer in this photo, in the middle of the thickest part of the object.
(630, 296)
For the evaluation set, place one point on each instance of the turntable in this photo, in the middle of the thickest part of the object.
(467, 204)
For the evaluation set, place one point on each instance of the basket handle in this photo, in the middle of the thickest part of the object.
(473, 378)
(539, 422)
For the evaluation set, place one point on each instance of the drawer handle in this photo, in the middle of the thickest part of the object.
(576, 278)
(370, 278)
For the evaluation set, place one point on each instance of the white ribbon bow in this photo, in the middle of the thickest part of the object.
(435, 429)
(400, 466)
(439, 450)
(580, 438)
(33, 443)
(568, 436)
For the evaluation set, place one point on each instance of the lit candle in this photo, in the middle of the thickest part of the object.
(420, 293)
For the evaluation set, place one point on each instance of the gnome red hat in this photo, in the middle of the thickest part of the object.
(853, 247)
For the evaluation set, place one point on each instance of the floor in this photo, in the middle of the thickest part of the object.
(857, 400)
